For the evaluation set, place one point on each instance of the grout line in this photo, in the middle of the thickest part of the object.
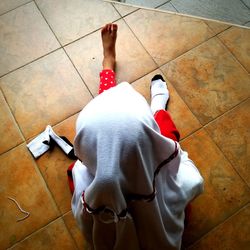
(68, 228)
(245, 24)
(179, 56)
(54, 50)
(218, 146)
(90, 33)
(174, 7)
(226, 112)
(14, 118)
(217, 226)
(125, 14)
(30, 62)
(157, 66)
(33, 160)
(196, 46)
(15, 8)
(167, 11)
(245, 4)
(39, 172)
(78, 73)
(229, 161)
(25, 140)
(127, 25)
(63, 48)
(60, 122)
(158, 6)
(10, 149)
(34, 232)
(203, 126)
(232, 54)
(217, 33)
(53, 202)
(202, 18)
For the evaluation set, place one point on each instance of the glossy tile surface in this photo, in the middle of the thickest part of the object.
(167, 36)
(130, 57)
(217, 27)
(232, 234)
(44, 93)
(73, 19)
(247, 3)
(54, 236)
(21, 180)
(224, 191)
(237, 40)
(167, 7)
(143, 3)
(42, 83)
(24, 36)
(75, 231)
(185, 121)
(207, 78)
(54, 165)
(7, 5)
(229, 10)
(10, 134)
(124, 9)
(232, 134)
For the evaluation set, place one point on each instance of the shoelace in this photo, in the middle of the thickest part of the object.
(23, 211)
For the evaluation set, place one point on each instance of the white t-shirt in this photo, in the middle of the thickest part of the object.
(129, 205)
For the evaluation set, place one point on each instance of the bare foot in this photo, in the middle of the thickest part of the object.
(109, 32)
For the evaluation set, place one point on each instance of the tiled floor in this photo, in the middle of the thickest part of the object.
(230, 11)
(50, 57)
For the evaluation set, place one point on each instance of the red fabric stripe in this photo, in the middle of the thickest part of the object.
(107, 80)
(166, 125)
(70, 177)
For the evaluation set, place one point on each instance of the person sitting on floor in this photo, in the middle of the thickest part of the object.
(132, 181)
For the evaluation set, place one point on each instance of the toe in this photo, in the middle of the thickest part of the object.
(115, 27)
(105, 28)
(109, 27)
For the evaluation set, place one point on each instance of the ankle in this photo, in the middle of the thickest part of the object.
(109, 62)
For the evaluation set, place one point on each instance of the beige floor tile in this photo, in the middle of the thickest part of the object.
(10, 135)
(124, 9)
(75, 231)
(7, 5)
(217, 27)
(237, 40)
(73, 19)
(21, 180)
(132, 60)
(166, 36)
(207, 78)
(54, 164)
(45, 92)
(54, 236)
(24, 36)
(224, 191)
(231, 235)
(185, 121)
(143, 3)
(231, 133)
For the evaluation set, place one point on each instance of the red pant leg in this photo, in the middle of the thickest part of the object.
(166, 124)
(107, 80)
